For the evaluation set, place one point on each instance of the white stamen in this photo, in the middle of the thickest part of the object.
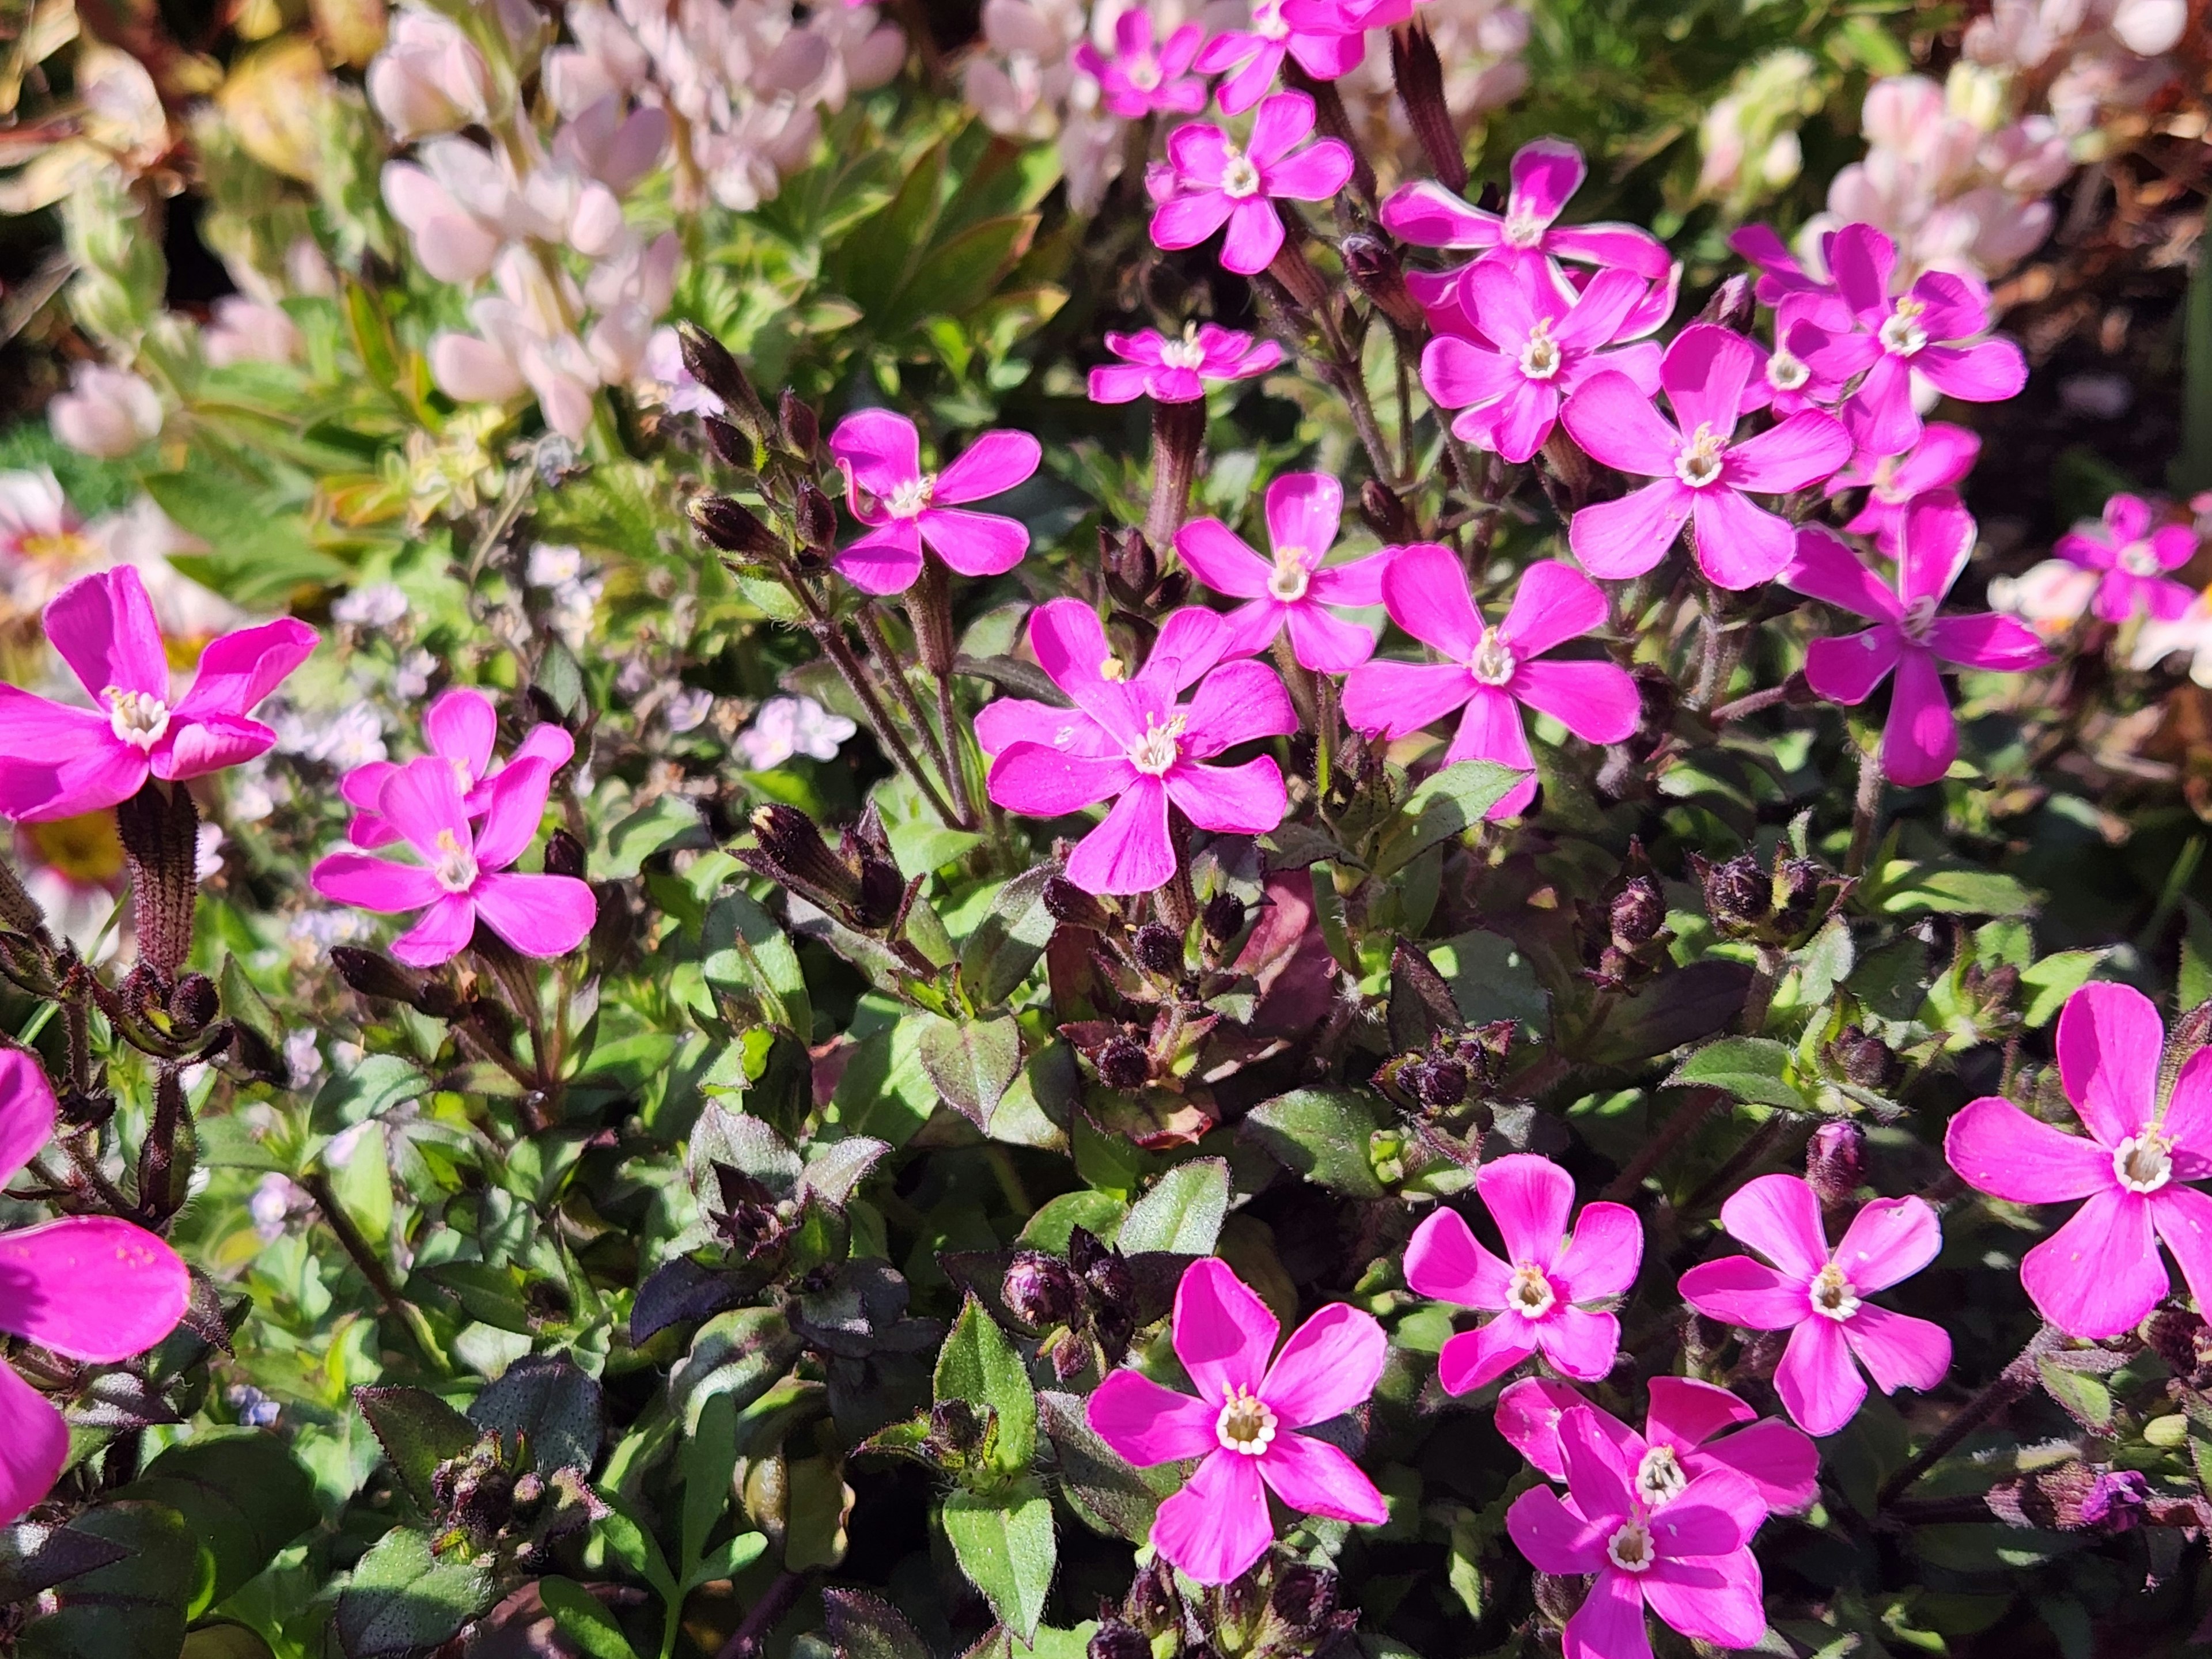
(1155, 752)
(1699, 463)
(138, 717)
(2137, 559)
(1523, 227)
(1541, 357)
(1239, 177)
(1919, 616)
(1660, 1476)
(456, 865)
(908, 500)
(1291, 578)
(1246, 1425)
(1786, 372)
(1833, 1295)
(2143, 1162)
(1185, 353)
(1493, 662)
(1629, 1548)
(1530, 1294)
(1901, 334)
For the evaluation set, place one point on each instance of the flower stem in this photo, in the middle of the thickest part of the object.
(1679, 1127)
(1866, 811)
(2008, 1385)
(373, 1269)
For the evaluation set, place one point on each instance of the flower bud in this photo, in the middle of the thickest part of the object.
(1116, 1640)
(2181, 1339)
(1124, 1065)
(1160, 948)
(801, 426)
(429, 78)
(1129, 562)
(1375, 272)
(564, 856)
(160, 829)
(1637, 913)
(1739, 893)
(1304, 1598)
(1223, 918)
(709, 362)
(194, 1002)
(1730, 307)
(1386, 514)
(1835, 1161)
(730, 447)
(1863, 1059)
(1440, 1084)
(1419, 74)
(818, 520)
(791, 849)
(1070, 1354)
(1041, 1290)
(733, 527)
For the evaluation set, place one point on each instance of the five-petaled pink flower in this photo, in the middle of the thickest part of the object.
(1704, 476)
(1143, 76)
(1176, 371)
(1943, 457)
(1546, 173)
(1242, 1423)
(2135, 558)
(95, 1288)
(1291, 590)
(1689, 1559)
(1131, 739)
(1489, 671)
(1545, 339)
(906, 509)
(1818, 1295)
(1933, 331)
(1208, 181)
(2100, 1274)
(1690, 1428)
(57, 761)
(1920, 739)
(1537, 1290)
(465, 874)
(1252, 58)
(460, 726)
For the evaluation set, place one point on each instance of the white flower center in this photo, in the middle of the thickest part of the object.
(1239, 177)
(2143, 1162)
(1833, 1295)
(1144, 74)
(138, 717)
(1289, 578)
(1901, 334)
(1786, 372)
(1629, 1548)
(1246, 1425)
(908, 500)
(456, 866)
(1157, 751)
(1699, 463)
(1267, 21)
(2137, 559)
(1185, 353)
(1660, 1476)
(1540, 357)
(1493, 662)
(1530, 1294)
(1522, 228)
(1919, 616)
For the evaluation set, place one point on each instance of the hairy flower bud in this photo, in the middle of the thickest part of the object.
(1739, 893)
(194, 1003)
(801, 426)
(1385, 513)
(1440, 1084)
(1418, 74)
(818, 520)
(1124, 1065)
(709, 362)
(1304, 1598)
(1637, 913)
(160, 828)
(1160, 948)
(1133, 569)
(1117, 1640)
(1730, 307)
(1835, 1161)
(1041, 1290)
(1375, 272)
(733, 527)
(1863, 1059)
(564, 856)
(730, 447)
(1066, 903)
(1223, 918)
(792, 840)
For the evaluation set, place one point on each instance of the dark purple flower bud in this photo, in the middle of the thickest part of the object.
(1863, 1059)
(1738, 894)
(1133, 569)
(195, 1002)
(1418, 74)
(1041, 1291)
(1065, 902)
(1440, 1084)
(730, 447)
(733, 527)
(1124, 1065)
(1116, 1640)
(802, 427)
(1375, 271)
(817, 518)
(1304, 1598)
(1386, 514)
(710, 363)
(1223, 918)
(1159, 947)
(792, 846)
(564, 856)
(1637, 913)
(1730, 307)
(1835, 1161)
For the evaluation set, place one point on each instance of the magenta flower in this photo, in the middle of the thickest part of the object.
(1689, 1562)
(2100, 1274)
(1209, 181)
(1544, 340)
(1291, 591)
(1176, 371)
(1707, 478)
(1944, 456)
(1933, 331)
(906, 509)
(57, 761)
(1785, 381)
(1544, 173)
(1780, 274)
(92, 1287)
(1131, 741)
(1538, 1291)
(1252, 58)
(1690, 1429)
(460, 727)
(1489, 670)
(1920, 741)
(1818, 1295)
(2135, 558)
(1144, 78)
(1240, 1425)
(464, 873)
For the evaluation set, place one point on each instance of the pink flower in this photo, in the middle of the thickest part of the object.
(1130, 738)
(1818, 1295)
(1920, 741)
(1690, 1429)
(2100, 1274)
(1785, 382)
(1209, 181)
(1292, 591)
(1690, 1563)
(1546, 173)
(95, 1288)
(1944, 456)
(2135, 558)
(460, 726)
(1545, 341)
(1706, 477)
(1142, 78)
(1535, 1293)
(1489, 671)
(1780, 273)
(906, 509)
(1176, 371)
(1863, 331)
(464, 873)
(57, 761)
(1252, 58)
(1240, 1425)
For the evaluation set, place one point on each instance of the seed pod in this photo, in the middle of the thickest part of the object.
(1835, 1161)
(733, 527)
(1041, 1290)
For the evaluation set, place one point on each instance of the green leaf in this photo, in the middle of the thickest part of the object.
(884, 1092)
(740, 1353)
(971, 1062)
(1446, 804)
(402, 1597)
(1321, 1134)
(978, 1364)
(583, 1620)
(662, 821)
(1183, 1212)
(257, 549)
(551, 1406)
(1099, 1484)
(627, 1541)
(244, 1496)
(2195, 987)
(728, 1560)
(1100, 1213)
(865, 1627)
(1754, 1069)
(2079, 1395)
(35, 1557)
(138, 1605)
(1006, 1547)
(746, 951)
(959, 274)
(2055, 978)
(493, 1295)
(418, 1431)
(1491, 979)
(710, 1460)
(362, 1184)
(998, 955)
(375, 1083)
(1904, 887)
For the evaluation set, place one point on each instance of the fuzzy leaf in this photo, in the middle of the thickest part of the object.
(978, 1364)
(402, 1598)
(1182, 1212)
(1006, 1547)
(1322, 1135)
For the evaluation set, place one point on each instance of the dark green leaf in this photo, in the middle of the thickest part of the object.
(551, 1406)
(418, 1431)
(978, 1364)
(971, 1062)
(1754, 1069)
(1323, 1135)
(402, 1598)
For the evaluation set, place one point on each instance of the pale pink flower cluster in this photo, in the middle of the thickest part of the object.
(1479, 43)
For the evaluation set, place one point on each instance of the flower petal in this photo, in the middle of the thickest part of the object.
(195, 748)
(462, 725)
(513, 805)
(1579, 1343)
(1823, 567)
(1427, 214)
(1554, 603)
(2188, 1119)
(1603, 1257)
(1705, 372)
(1281, 121)
(1396, 698)
(1847, 670)
(2099, 1274)
(443, 933)
(1129, 852)
(1736, 1289)
(1326, 644)
(1739, 544)
(1804, 449)
(974, 543)
(1472, 1358)
(1598, 1470)
(378, 884)
(1146, 1423)
(1781, 1464)
(1217, 1525)
(28, 1110)
(94, 1287)
(1223, 561)
(1528, 1414)
(1552, 1537)
(1236, 703)
(2002, 645)
(2110, 1038)
(1627, 247)
(1899, 1351)
(1920, 741)
(1888, 1241)
(1233, 800)
(993, 465)
(1998, 1149)
(1255, 238)
(1223, 1334)
(1459, 375)
(1314, 1478)
(1718, 1599)
(1424, 590)
(1529, 1197)
(884, 560)
(2183, 1216)
(879, 450)
(1444, 1261)
(1329, 1366)
(1609, 1624)
(1618, 427)
(1988, 371)
(1778, 1216)
(1685, 1412)
(1626, 538)
(33, 1445)
(1818, 1380)
(1304, 511)
(103, 626)
(239, 670)
(539, 915)
(1597, 701)
(1047, 782)
(1934, 540)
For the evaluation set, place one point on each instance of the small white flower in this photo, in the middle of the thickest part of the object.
(410, 681)
(378, 605)
(688, 709)
(302, 1058)
(552, 565)
(793, 725)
